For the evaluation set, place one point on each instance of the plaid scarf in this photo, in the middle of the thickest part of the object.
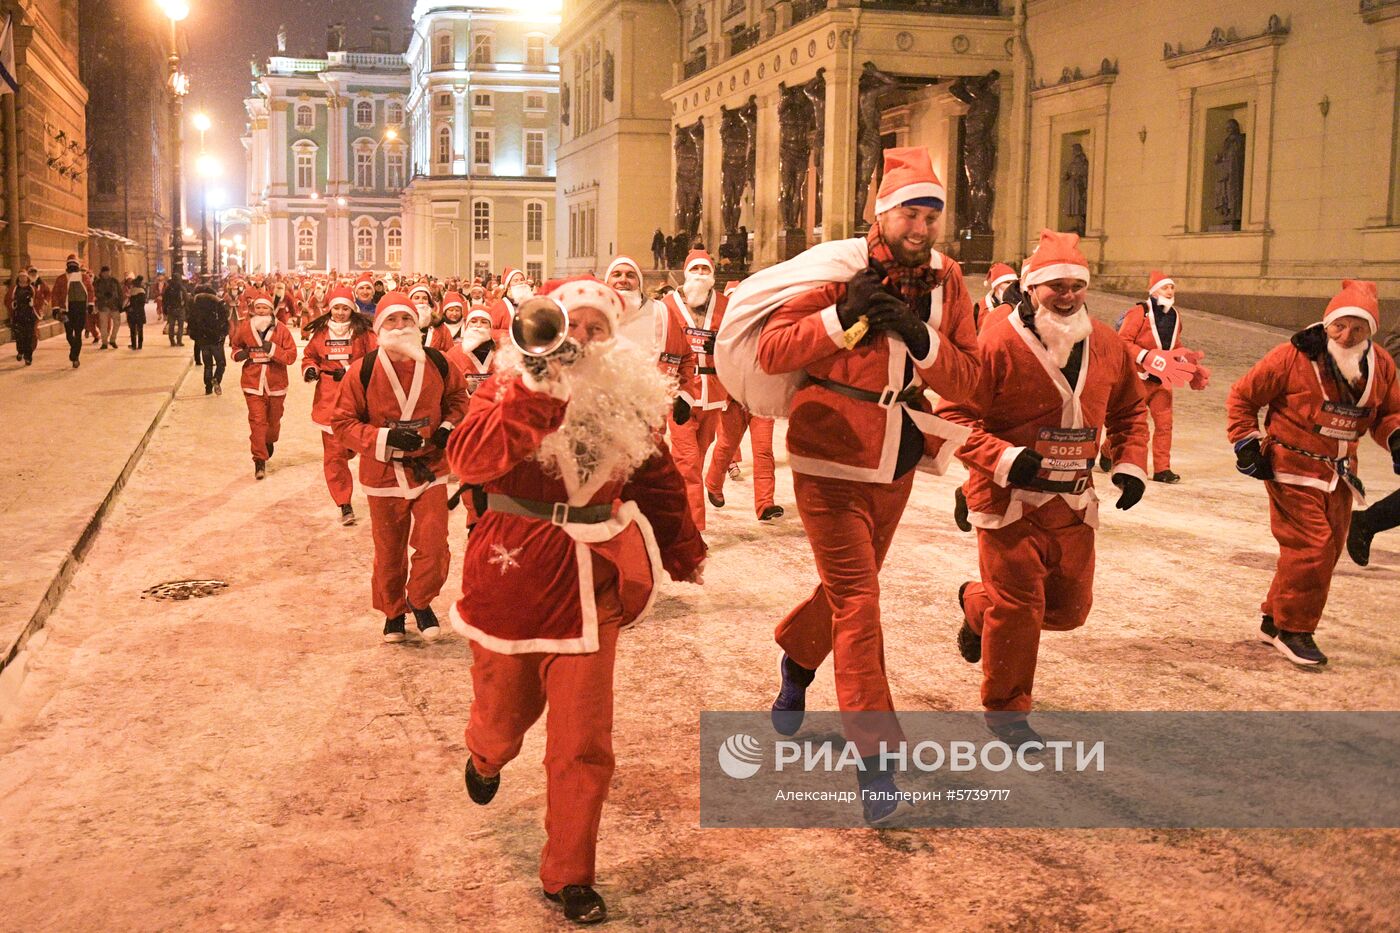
(908, 282)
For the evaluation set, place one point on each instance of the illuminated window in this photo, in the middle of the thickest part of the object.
(305, 155)
(393, 244)
(442, 50)
(534, 51)
(306, 117)
(364, 113)
(394, 113)
(481, 148)
(306, 244)
(482, 49)
(534, 222)
(364, 245)
(364, 168)
(534, 271)
(444, 145)
(481, 220)
(393, 167)
(534, 149)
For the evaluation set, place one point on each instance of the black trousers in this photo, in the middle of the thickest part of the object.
(213, 356)
(136, 326)
(73, 326)
(26, 339)
(1382, 515)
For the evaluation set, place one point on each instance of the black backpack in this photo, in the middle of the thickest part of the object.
(368, 360)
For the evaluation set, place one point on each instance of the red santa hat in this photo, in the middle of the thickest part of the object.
(453, 300)
(478, 312)
(393, 302)
(1156, 279)
(364, 278)
(697, 256)
(340, 295)
(1057, 256)
(420, 287)
(585, 291)
(255, 298)
(909, 177)
(1356, 299)
(1000, 272)
(509, 275)
(622, 261)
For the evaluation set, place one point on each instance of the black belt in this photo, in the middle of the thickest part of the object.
(1072, 486)
(886, 399)
(1335, 461)
(558, 513)
(706, 371)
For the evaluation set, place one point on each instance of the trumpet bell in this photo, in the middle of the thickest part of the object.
(540, 326)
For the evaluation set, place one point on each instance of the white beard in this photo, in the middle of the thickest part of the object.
(425, 314)
(1060, 334)
(1163, 302)
(617, 406)
(404, 341)
(697, 288)
(260, 322)
(1348, 361)
(474, 337)
(631, 303)
(519, 294)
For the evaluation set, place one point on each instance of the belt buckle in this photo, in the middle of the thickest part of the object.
(887, 398)
(560, 514)
(1081, 484)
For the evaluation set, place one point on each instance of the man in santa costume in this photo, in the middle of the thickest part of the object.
(639, 321)
(690, 317)
(477, 293)
(335, 340)
(365, 302)
(1323, 390)
(397, 407)
(266, 348)
(475, 354)
(1051, 379)
(585, 508)
(843, 339)
(1152, 329)
(1000, 278)
(515, 292)
(433, 333)
(284, 303)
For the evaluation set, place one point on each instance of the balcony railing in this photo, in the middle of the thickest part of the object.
(741, 40)
(695, 65)
(963, 7)
(802, 9)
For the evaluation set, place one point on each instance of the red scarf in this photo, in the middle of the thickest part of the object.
(908, 282)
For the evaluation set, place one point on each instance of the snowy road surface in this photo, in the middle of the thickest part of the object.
(258, 760)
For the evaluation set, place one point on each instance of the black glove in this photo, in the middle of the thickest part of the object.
(311, 374)
(267, 346)
(1024, 468)
(1132, 487)
(860, 291)
(680, 411)
(240, 355)
(404, 439)
(338, 374)
(439, 438)
(1251, 460)
(1395, 451)
(899, 317)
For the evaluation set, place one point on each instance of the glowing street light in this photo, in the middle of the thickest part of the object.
(179, 84)
(175, 10)
(202, 122)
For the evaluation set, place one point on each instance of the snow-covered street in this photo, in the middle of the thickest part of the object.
(260, 760)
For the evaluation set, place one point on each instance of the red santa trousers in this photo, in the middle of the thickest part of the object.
(264, 422)
(1159, 406)
(850, 526)
(733, 421)
(335, 463)
(1037, 573)
(1310, 526)
(396, 525)
(509, 693)
(689, 444)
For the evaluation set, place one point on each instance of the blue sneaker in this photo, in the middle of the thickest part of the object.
(790, 707)
(880, 800)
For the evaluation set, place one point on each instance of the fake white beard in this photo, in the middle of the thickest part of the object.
(1348, 361)
(1060, 334)
(260, 322)
(1163, 301)
(402, 341)
(631, 303)
(618, 403)
(425, 314)
(697, 287)
(338, 329)
(520, 293)
(473, 337)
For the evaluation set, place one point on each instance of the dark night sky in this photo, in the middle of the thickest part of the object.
(224, 35)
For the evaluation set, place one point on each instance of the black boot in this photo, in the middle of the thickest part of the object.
(771, 512)
(259, 469)
(479, 788)
(716, 498)
(1359, 539)
(960, 510)
(427, 623)
(1013, 729)
(969, 642)
(581, 903)
(790, 707)
(347, 515)
(270, 446)
(1165, 476)
(393, 629)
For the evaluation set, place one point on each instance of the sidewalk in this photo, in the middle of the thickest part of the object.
(69, 437)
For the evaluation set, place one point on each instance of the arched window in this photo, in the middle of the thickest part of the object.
(393, 167)
(364, 245)
(304, 151)
(481, 220)
(393, 245)
(444, 145)
(306, 117)
(364, 113)
(442, 50)
(364, 167)
(393, 114)
(306, 243)
(534, 51)
(483, 45)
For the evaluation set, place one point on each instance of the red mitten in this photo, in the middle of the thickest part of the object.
(1201, 379)
(1172, 371)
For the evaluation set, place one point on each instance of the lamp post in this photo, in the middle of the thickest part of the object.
(206, 167)
(179, 85)
(215, 199)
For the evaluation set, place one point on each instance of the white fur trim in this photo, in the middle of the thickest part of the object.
(380, 315)
(832, 322)
(933, 344)
(1130, 469)
(381, 446)
(919, 189)
(554, 388)
(1008, 277)
(1059, 270)
(341, 300)
(1001, 476)
(1350, 311)
(622, 261)
(1153, 289)
(699, 261)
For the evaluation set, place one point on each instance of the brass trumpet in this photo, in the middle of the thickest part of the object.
(540, 326)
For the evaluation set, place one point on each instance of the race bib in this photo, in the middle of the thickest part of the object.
(413, 425)
(1343, 422)
(671, 361)
(338, 349)
(474, 381)
(1069, 450)
(258, 355)
(701, 340)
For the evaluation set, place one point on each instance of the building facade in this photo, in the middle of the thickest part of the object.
(483, 118)
(328, 159)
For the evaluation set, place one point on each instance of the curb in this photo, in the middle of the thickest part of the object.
(14, 657)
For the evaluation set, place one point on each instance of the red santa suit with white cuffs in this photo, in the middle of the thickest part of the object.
(999, 276)
(265, 355)
(554, 569)
(330, 350)
(858, 425)
(474, 364)
(700, 389)
(407, 489)
(1311, 431)
(503, 308)
(734, 422)
(435, 335)
(1036, 544)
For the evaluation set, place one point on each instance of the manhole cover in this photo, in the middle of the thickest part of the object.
(185, 589)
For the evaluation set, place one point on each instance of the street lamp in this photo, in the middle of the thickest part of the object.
(206, 167)
(179, 84)
(214, 198)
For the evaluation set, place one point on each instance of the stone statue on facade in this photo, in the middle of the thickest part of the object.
(1075, 194)
(979, 148)
(1229, 177)
(815, 90)
(688, 150)
(794, 152)
(734, 159)
(873, 85)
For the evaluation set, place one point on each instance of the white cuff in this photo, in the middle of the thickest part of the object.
(832, 322)
(687, 398)
(1142, 355)
(381, 446)
(932, 354)
(446, 424)
(1002, 474)
(554, 388)
(1130, 469)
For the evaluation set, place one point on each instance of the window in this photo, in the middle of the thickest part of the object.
(481, 147)
(364, 113)
(442, 50)
(534, 51)
(306, 117)
(534, 101)
(481, 220)
(394, 113)
(443, 101)
(306, 245)
(364, 168)
(305, 167)
(534, 222)
(481, 268)
(444, 145)
(534, 149)
(393, 167)
(481, 100)
(482, 49)
(534, 271)
(364, 245)
(393, 245)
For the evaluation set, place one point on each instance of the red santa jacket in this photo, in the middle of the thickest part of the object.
(1139, 329)
(527, 583)
(1305, 411)
(1022, 399)
(437, 337)
(675, 356)
(474, 370)
(410, 394)
(286, 307)
(502, 311)
(695, 330)
(58, 292)
(330, 355)
(264, 373)
(831, 434)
